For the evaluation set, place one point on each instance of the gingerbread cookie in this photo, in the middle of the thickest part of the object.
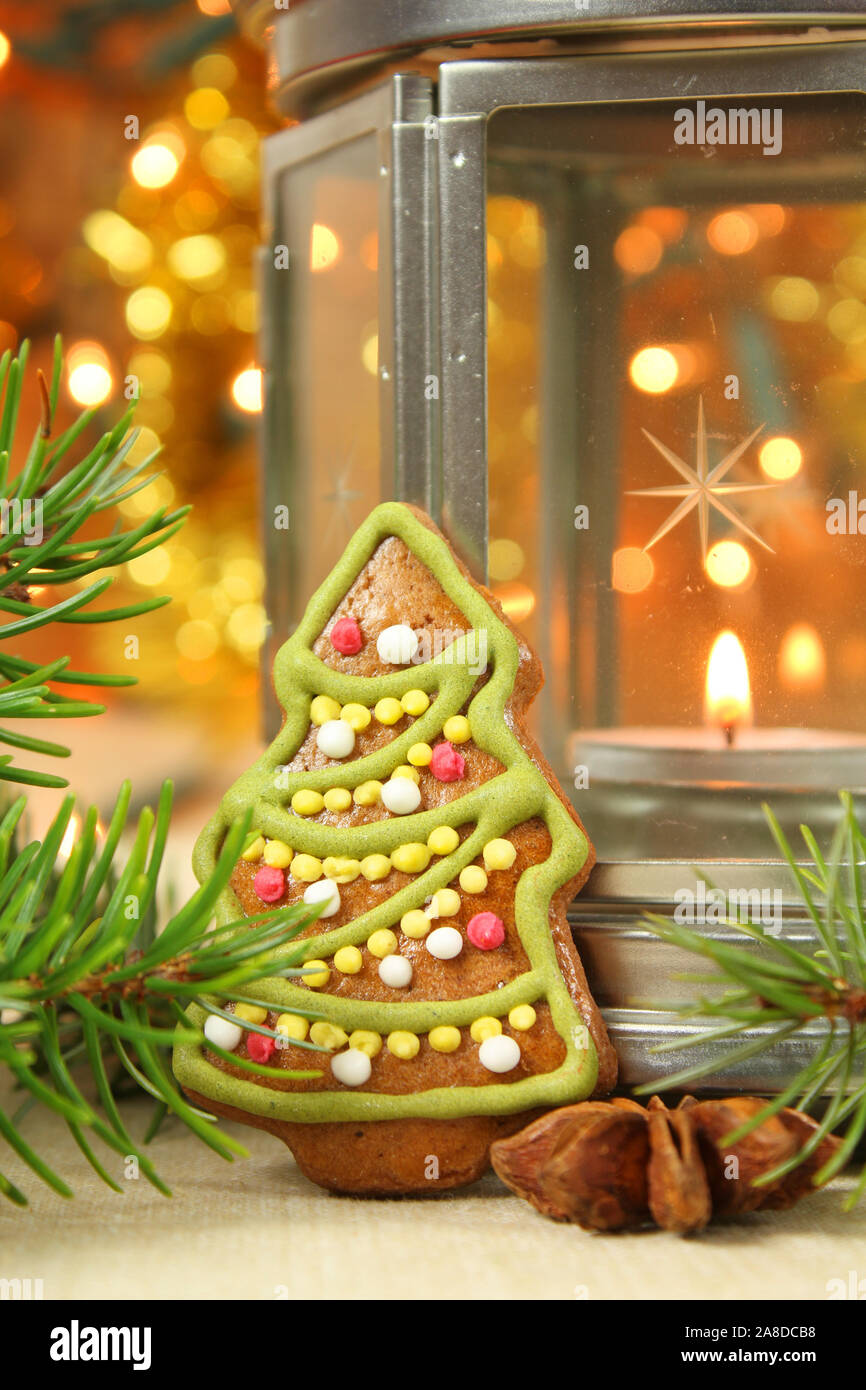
(442, 1002)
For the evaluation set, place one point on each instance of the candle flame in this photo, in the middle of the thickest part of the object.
(728, 697)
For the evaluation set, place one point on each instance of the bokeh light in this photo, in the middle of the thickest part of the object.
(732, 233)
(205, 108)
(802, 660)
(505, 559)
(728, 564)
(89, 380)
(638, 250)
(654, 369)
(125, 247)
(197, 258)
(794, 299)
(247, 390)
(324, 247)
(632, 570)
(154, 165)
(148, 312)
(781, 458)
(5, 49)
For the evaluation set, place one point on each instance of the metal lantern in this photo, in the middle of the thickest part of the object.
(587, 281)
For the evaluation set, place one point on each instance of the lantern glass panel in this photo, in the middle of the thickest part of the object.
(328, 394)
(652, 304)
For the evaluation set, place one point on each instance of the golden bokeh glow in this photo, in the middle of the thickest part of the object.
(154, 165)
(90, 384)
(197, 258)
(5, 49)
(247, 390)
(205, 108)
(654, 369)
(794, 299)
(802, 661)
(638, 250)
(148, 312)
(124, 247)
(727, 693)
(517, 599)
(728, 564)
(732, 233)
(89, 379)
(781, 458)
(324, 247)
(631, 570)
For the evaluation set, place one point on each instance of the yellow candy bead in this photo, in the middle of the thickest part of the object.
(293, 1026)
(499, 854)
(368, 793)
(443, 840)
(403, 1044)
(382, 943)
(278, 854)
(251, 1013)
(308, 803)
(306, 868)
(420, 754)
(485, 1027)
(388, 710)
(329, 1035)
(356, 716)
(365, 1040)
(446, 902)
(456, 729)
(473, 879)
(375, 867)
(444, 1038)
(255, 850)
(348, 960)
(405, 771)
(411, 858)
(319, 974)
(522, 1016)
(337, 799)
(415, 702)
(415, 924)
(323, 708)
(341, 870)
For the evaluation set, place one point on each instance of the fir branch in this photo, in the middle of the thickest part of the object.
(47, 502)
(84, 979)
(779, 990)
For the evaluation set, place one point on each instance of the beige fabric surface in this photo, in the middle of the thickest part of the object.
(256, 1229)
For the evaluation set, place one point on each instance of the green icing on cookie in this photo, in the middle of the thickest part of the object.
(508, 800)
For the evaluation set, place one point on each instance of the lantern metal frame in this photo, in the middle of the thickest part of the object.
(432, 324)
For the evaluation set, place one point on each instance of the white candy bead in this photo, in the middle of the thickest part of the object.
(500, 1053)
(327, 892)
(397, 645)
(353, 1068)
(395, 971)
(226, 1035)
(401, 795)
(444, 943)
(336, 738)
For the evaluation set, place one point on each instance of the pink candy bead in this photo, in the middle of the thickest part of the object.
(346, 637)
(486, 931)
(447, 764)
(269, 884)
(259, 1048)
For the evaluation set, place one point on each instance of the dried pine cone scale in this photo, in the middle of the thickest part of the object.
(610, 1166)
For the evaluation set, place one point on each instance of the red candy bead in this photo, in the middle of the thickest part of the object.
(486, 931)
(447, 764)
(259, 1048)
(269, 884)
(346, 637)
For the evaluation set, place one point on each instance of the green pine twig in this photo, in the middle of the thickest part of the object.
(43, 508)
(775, 992)
(83, 980)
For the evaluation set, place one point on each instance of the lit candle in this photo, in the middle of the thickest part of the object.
(728, 694)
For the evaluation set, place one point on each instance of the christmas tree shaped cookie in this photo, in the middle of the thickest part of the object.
(404, 797)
